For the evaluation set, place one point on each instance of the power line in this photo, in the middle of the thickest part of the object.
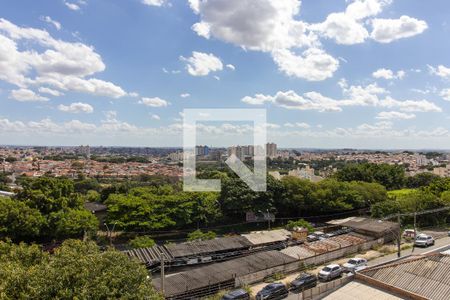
(410, 214)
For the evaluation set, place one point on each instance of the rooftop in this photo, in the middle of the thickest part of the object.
(367, 224)
(204, 276)
(426, 276)
(357, 290)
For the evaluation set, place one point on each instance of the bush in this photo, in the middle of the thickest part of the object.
(300, 223)
(198, 235)
(141, 242)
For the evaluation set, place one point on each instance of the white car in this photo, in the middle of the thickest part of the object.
(353, 264)
(330, 272)
(424, 240)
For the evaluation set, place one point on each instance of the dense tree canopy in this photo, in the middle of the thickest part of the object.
(390, 176)
(77, 270)
(45, 208)
(153, 208)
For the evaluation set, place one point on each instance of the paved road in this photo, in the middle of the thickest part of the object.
(442, 242)
(440, 245)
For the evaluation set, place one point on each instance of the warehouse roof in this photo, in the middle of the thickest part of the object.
(266, 237)
(208, 246)
(150, 255)
(357, 290)
(204, 276)
(427, 276)
(367, 224)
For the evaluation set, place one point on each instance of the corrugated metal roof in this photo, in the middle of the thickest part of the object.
(356, 291)
(209, 246)
(427, 276)
(151, 255)
(221, 272)
(266, 237)
(367, 224)
(298, 252)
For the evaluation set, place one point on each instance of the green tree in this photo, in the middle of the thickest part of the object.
(73, 222)
(77, 270)
(18, 221)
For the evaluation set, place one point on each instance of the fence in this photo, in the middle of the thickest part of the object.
(310, 261)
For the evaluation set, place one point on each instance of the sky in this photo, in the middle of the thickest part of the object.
(330, 73)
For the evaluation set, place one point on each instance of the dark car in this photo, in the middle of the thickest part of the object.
(304, 281)
(237, 294)
(273, 291)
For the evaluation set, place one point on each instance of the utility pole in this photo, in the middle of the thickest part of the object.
(161, 258)
(268, 218)
(399, 237)
(415, 231)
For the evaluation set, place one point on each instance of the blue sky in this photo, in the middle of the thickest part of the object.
(360, 73)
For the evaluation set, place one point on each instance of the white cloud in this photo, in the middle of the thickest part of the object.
(195, 4)
(26, 95)
(445, 94)
(51, 92)
(273, 26)
(410, 105)
(231, 67)
(347, 27)
(303, 125)
(72, 6)
(51, 21)
(53, 63)
(313, 65)
(342, 28)
(201, 64)
(388, 30)
(76, 108)
(370, 95)
(388, 74)
(394, 115)
(361, 9)
(256, 25)
(185, 95)
(154, 102)
(154, 2)
(291, 100)
(441, 71)
(202, 29)
(156, 117)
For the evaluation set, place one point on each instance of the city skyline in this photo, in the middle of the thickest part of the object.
(347, 74)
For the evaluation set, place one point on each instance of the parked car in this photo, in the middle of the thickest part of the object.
(408, 233)
(330, 272)
(240, 294)
(303, 281)
(273, 291)
(353, 264)
(315, 236)
(424, 240)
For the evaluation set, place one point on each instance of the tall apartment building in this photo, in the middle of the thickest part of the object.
(271, 150)
(201, 150)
